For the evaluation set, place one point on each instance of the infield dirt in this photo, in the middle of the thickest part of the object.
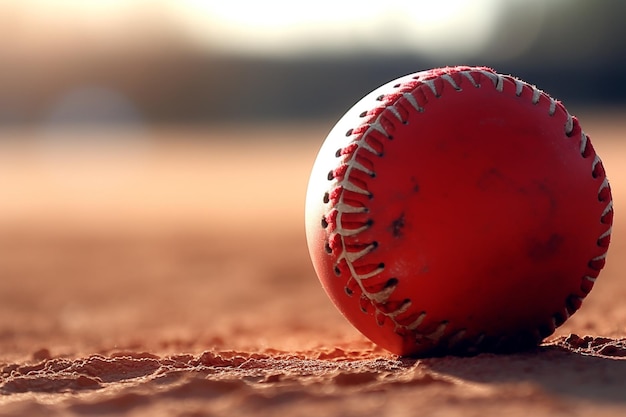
(165, 273)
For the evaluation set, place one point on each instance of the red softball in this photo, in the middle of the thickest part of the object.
(458, 210)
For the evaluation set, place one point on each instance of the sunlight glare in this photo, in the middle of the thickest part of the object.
(274, 26)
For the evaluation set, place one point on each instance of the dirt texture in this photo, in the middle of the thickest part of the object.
(165, 273)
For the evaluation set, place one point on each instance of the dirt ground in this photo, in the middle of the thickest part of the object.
(165, 273)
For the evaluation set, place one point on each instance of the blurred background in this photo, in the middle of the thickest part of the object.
(139, 62)
(151, 150)
(92, 86)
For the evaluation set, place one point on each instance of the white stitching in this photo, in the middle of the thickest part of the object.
(607, 209)
(569, 125)
(583, 142)
(552, 108)
(347, 185)
(519, 87)
(355, 256)
(395, 112)
(368, 148)
(377, 126)
(409, 97)
(599, 258)
(450, 80)
(349, 208)
(432, 86)
(468, 75)
(595, 162)
(456, 338)
(536, 94)
(349, 232)
(606, 234)
(383, 295)
(438, 333)
(605, 184)
(415, 324)
(360, 167)
(495, 78)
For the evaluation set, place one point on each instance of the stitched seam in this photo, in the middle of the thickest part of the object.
(376, 126)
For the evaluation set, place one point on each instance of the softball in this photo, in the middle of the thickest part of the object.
(457, 211)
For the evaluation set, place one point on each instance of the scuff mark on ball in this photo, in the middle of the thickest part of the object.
(396, 226)
(540, 250)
